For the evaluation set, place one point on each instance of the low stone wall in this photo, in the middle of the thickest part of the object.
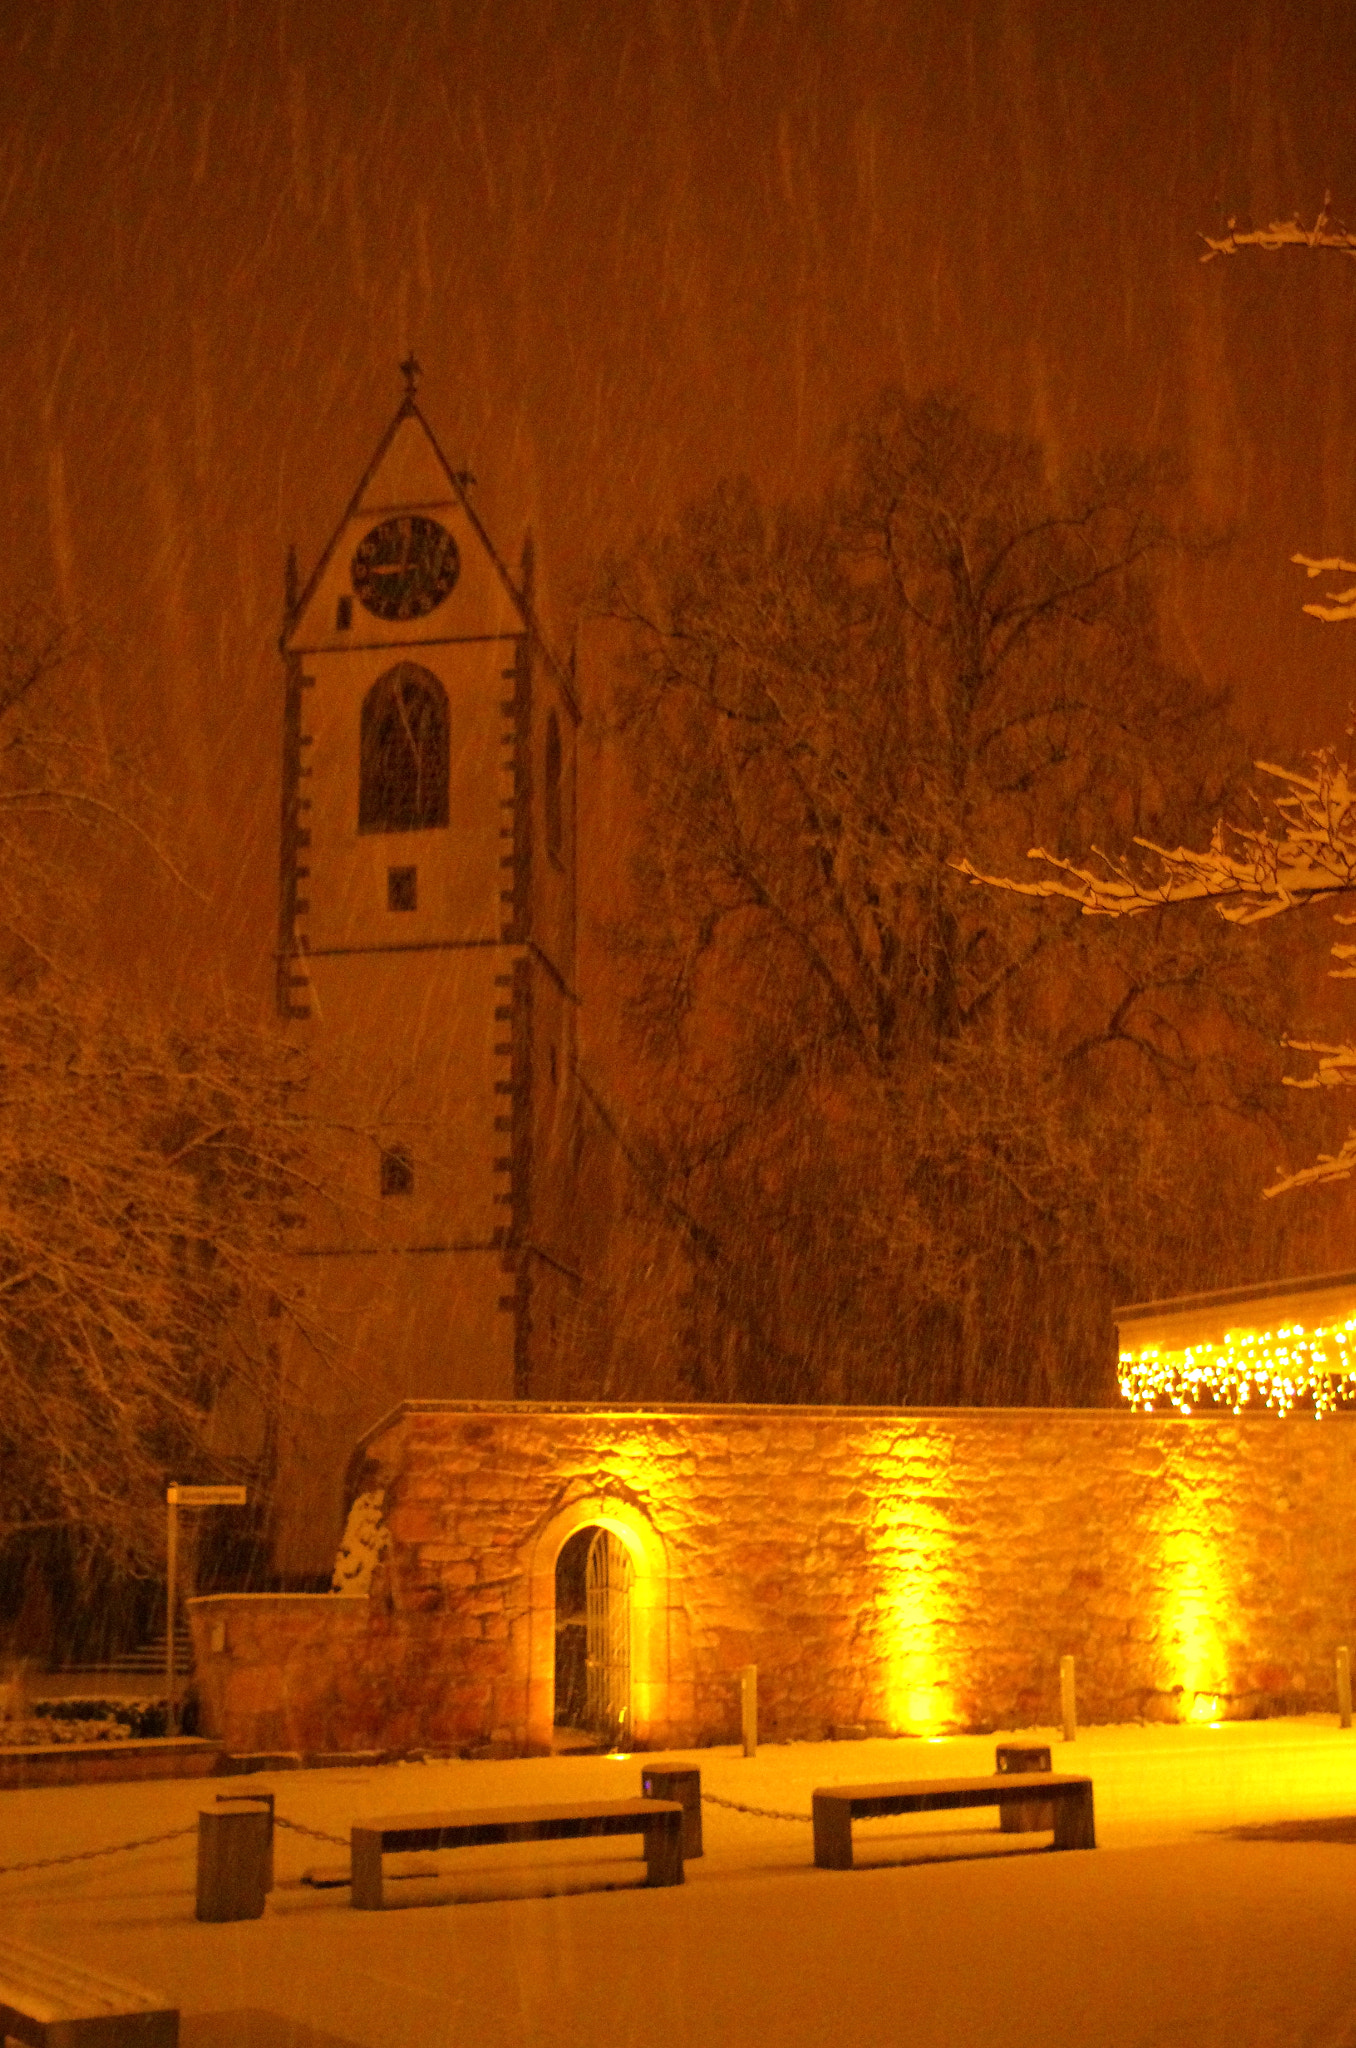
(885, 1570)
(287, 1671)
(106, 1763)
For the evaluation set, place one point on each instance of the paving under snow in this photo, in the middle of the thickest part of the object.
(1219, 1907)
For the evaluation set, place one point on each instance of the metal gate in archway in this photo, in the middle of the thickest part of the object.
(608, 1580)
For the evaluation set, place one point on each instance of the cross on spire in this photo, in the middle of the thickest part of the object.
(411, 371)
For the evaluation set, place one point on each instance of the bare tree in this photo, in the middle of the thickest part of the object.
(148, 1168)
(145, 1177)
(922, 1166)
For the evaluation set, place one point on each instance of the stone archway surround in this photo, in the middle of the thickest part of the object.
(661, 1682)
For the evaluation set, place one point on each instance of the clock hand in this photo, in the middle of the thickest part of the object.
(399, 567)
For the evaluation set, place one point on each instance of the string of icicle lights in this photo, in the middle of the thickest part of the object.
(1277, 1367)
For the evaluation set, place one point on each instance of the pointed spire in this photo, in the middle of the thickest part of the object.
(291, 581)
(411, 370)
(527, 573)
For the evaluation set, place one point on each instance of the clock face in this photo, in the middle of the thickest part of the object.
(405, 567)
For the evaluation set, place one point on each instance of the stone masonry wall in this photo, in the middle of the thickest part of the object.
(919, 1570)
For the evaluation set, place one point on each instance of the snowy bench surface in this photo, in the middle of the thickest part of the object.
(51, 2002)
(660, 1821)
(835, 1807)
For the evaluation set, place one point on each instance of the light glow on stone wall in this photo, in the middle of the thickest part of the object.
(913, 1548)
(1195, 1580)
(1192, 1640)
(1278, 1367)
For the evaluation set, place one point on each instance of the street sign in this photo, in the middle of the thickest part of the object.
(205, 1496)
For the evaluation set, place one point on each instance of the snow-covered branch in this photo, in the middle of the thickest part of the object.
(1336, 1065)
(1336, 1069)
(1342, 604)
(1247, 875)
(1324, 234)
(1329, 1166)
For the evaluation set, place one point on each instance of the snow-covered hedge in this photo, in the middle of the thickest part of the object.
(91, 1720)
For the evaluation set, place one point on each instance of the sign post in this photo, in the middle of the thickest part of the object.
(177, 1497)
(171, 1604)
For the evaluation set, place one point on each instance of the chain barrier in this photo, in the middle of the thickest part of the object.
(761, 1812)
(319, 1835)
(153, 1841)
(85, 1855)
(316, 1834)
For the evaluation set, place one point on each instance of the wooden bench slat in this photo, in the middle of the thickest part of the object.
(578, 1809)
(44, 1998)
(1001, 1786)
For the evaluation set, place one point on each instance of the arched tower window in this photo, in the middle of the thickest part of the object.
(403, 742)
(555, 836)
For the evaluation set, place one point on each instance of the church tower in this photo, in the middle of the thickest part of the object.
(427, 953)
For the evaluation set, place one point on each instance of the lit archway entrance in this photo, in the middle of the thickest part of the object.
(660, 1687)
(594, 1581)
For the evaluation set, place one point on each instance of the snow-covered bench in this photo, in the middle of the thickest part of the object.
(51, 2002)
(660, 1821)
(835, 1807)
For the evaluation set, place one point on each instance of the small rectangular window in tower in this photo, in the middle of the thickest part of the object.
(343, 617)
(402, 888)
(397, 1172)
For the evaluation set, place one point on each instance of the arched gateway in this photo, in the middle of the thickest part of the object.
(594, 1577)
(626, 1613)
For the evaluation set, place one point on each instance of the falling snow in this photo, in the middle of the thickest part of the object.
(639, 248)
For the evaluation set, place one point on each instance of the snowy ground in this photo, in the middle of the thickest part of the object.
(1219, 1907)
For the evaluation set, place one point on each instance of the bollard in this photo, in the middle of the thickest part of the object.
(1067, 1705)
(1344, 1685)
(748, 1707)
(260, 1799)
(686, 1787)
(1033, 1816)
(232, 1863)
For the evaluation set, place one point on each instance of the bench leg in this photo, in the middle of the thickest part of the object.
(365, 1856)
(664, 1849)
(1074, 1827)
(833, 1833)
(1026, 1816)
